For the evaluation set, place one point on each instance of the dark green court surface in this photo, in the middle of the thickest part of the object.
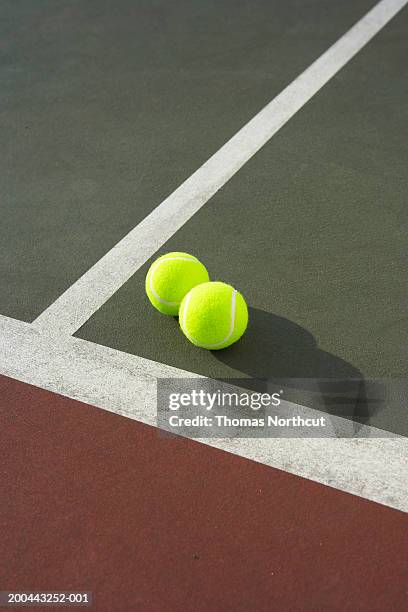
(313, 231)
(107, 106)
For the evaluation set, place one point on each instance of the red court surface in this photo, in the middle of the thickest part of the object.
(95, 501)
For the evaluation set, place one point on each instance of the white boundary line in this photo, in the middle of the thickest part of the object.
(74, 307)
(372, 467)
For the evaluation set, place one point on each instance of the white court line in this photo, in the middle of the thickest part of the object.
(74, 307)
(372, 467)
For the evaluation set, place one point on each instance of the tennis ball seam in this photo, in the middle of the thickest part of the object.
(153, 270)
(232, 326)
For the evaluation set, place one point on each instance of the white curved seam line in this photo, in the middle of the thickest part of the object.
(232, 326)
(155, 266)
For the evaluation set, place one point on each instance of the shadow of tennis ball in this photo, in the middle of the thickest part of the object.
(278, 352)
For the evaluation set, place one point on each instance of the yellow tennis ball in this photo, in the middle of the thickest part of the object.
(170, 278)
(213, 315)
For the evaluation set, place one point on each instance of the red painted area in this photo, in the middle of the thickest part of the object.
(94, 501)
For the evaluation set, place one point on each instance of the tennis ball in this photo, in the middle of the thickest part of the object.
(213, 315)
(170, 277)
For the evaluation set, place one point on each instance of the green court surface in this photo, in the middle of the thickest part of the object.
(105, 112)
(313, 231)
